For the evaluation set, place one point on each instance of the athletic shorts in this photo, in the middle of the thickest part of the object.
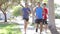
(38, 21)
(27, 19)
(45, 21)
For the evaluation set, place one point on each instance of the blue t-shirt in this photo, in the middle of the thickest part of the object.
(39, 13)
(25, 12)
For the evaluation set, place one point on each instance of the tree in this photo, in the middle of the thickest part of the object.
(17, 2)
(51, 23)
(4, 4)
(3, 7)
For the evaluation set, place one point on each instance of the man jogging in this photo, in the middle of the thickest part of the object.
(39, 17)
(26, 12)
(45, 13)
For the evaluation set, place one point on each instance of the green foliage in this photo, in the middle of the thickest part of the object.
(37, 0)
(3, 1)
(57, 16)
(45, 0)
(17, 1)
(17, 11)
(4, 4)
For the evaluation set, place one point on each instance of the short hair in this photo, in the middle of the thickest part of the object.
(38, 2)
(44, 4)
(26, 3)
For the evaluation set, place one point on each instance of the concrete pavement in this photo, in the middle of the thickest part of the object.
(31, 29)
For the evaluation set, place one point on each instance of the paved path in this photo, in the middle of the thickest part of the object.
(30, 29)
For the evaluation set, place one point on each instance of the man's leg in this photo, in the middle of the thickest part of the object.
(41, 27)
(25, 25)
(46, 26)
(36, 27)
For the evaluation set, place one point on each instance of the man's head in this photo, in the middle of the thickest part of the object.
(44, 4)
(38, 4)
(26, 4)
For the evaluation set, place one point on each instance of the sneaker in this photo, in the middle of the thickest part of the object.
(36, 30)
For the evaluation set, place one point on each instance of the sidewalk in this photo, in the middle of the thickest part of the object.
(31, 29)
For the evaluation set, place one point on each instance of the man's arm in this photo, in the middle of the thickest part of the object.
(29, 11)
(34, 10)
(47, 11)
(42, 10)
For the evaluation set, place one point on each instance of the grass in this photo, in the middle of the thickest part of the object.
(9, 29)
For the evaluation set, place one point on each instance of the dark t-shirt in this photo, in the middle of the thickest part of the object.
(25, 12)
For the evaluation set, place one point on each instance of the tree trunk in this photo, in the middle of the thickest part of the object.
(51, 17)
(32, 6)
(5, 17)
(3, 11)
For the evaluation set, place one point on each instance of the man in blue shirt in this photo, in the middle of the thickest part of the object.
(39, 17)
(26, 12)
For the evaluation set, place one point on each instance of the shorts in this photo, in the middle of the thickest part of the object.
(45, 21)
(38, 21)
(27, 19)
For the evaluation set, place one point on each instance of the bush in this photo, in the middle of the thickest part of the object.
(57, 16)
(17, 11)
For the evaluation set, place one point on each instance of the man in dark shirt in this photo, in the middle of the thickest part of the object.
(26, 12)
